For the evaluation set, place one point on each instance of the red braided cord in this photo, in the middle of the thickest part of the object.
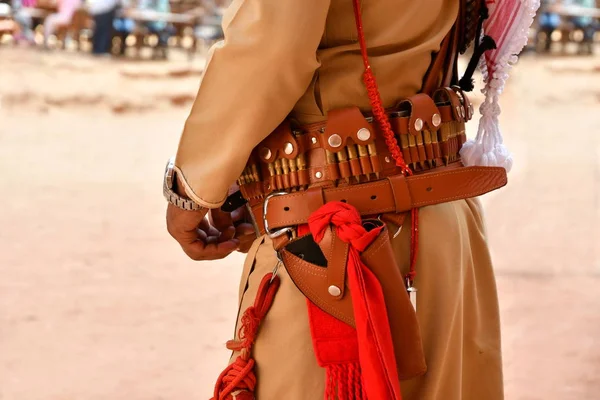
(375, 97)
(240, 374)
(384, 123)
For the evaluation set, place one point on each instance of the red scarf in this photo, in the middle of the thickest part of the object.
(360, 362)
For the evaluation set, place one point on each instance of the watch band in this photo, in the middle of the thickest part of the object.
(181, 202)
(171, 196)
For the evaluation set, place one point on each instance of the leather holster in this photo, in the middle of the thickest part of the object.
(314, 282)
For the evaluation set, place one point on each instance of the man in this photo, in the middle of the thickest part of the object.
(285, 58)
(103, 12)
(586, 24)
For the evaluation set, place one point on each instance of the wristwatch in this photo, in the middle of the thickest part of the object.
(171, 196)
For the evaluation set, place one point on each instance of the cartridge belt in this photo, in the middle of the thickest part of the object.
(345, 158)
(349, 148)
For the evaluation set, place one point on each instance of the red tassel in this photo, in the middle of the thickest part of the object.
(343, 382)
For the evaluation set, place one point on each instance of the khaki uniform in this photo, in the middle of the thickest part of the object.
(283, 56)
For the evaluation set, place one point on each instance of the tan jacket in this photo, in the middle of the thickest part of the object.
(299, 57)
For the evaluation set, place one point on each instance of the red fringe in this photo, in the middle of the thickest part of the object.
(344, 382)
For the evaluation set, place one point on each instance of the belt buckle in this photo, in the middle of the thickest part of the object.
(279, 232)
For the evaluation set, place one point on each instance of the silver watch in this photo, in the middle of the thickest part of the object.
(171, 196)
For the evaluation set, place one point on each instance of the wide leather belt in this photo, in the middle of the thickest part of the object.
(348, 148)
(395, 194)
(297, 169)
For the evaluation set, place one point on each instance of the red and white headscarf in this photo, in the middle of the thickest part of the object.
(508, 24)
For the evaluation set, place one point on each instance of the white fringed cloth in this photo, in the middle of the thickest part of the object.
(508, 24)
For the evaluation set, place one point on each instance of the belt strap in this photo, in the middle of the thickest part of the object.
(395, 194)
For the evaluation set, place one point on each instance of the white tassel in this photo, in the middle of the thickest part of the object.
(488, 149)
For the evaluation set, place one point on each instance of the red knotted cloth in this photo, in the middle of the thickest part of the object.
(360, 362)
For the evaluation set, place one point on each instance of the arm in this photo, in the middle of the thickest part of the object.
(252, 81)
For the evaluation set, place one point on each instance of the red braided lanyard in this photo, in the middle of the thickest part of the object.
(390, 140)
(239, 379)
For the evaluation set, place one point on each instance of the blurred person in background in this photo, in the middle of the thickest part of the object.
(548, 22)
(103, 12)
(123, 27)
(66, 9)
(159, 28)
(23, 19)
(586, 24)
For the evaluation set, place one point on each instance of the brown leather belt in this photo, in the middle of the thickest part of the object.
(349, 148)
(395, 194)
(296, 170)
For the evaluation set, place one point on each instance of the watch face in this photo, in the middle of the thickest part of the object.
(169, 172)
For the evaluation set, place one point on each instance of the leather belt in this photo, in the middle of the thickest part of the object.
(395, 194)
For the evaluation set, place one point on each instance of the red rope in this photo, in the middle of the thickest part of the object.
(239, 377)
(384, 123)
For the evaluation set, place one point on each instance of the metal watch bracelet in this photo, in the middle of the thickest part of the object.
(171, 196)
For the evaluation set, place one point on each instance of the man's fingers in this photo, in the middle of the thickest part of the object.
(220, 219)
(210, 251)
(198, 239)
(244, 229)
(239, 214)
(227, 234)
(182, 225)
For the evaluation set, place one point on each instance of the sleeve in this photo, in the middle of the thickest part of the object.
(252, 80)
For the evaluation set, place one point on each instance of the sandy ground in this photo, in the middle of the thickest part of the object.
(98, 303)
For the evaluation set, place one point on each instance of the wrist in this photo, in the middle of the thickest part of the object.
(179, 186)
(174, 190)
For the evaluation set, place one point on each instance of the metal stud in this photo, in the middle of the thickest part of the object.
(265, 153)
(418, 124)
(288, 148)
(334, 290)
(363, 134)
(387, 159)
(318, 174)
(313, 140)
(335, 140)
(436, 120)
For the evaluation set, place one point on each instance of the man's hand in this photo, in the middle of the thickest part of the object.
(197, 238)
(235, 220)
(193, 232)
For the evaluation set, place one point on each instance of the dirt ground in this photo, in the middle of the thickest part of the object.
(98, 303)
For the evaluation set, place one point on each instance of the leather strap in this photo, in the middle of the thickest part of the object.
(395, 194)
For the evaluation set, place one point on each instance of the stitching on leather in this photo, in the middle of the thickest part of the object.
(308, 289)
(353, 187)
(458, 171)
(284, 222)
(318, 297)
(467, 170)
(376, 249)
(452, 198)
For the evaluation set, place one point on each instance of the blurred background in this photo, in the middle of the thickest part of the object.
(98, 303)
